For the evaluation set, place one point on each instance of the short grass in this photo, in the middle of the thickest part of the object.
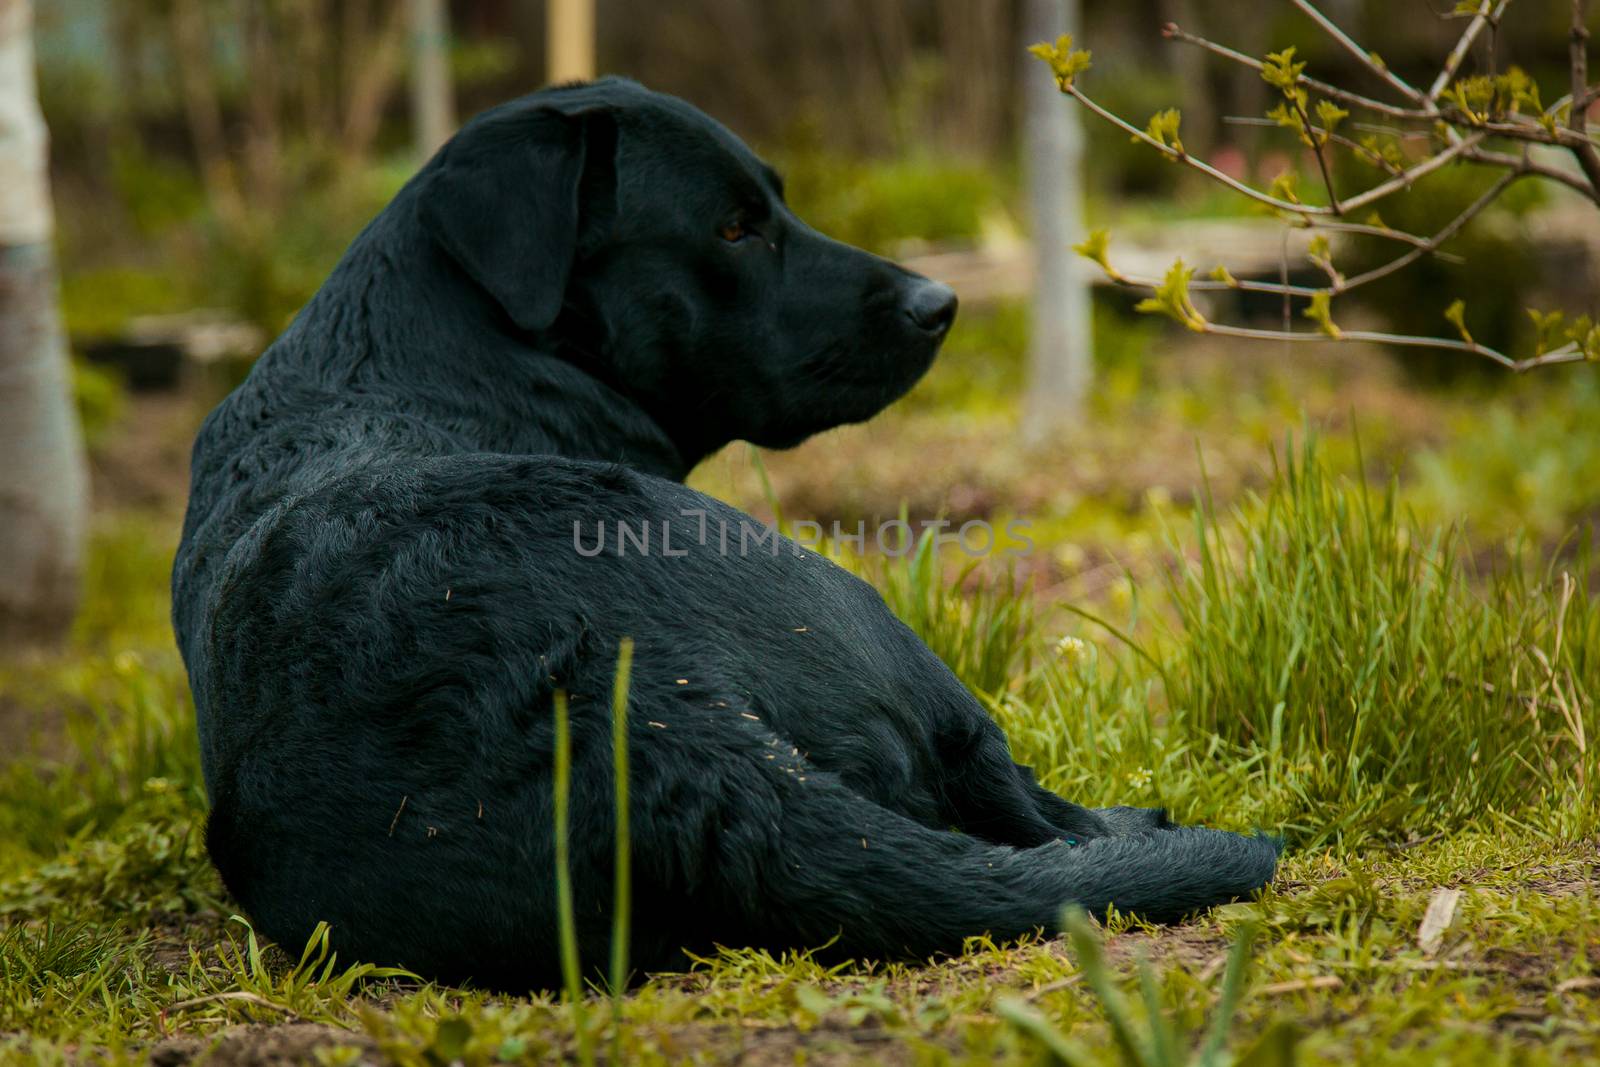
(1414, 716)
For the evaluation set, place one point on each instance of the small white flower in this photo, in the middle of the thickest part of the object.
(1072, 649)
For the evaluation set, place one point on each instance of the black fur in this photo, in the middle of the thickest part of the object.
(378, 589)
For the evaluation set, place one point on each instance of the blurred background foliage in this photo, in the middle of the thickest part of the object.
(220, 154)
(224, 153)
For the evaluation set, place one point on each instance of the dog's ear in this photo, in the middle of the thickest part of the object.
(508, 201)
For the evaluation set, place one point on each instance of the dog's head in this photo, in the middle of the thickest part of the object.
(634, 234)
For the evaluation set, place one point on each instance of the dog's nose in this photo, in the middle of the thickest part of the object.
(932, 306)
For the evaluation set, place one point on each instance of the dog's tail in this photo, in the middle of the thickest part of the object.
(829, 863)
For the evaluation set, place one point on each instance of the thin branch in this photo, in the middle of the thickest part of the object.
(1394, 131)
(1400, 181)
(1365, 57)
(1590, 95)
(1520, 130)
(1503, 159)
(1577, 122)
(1322, 162)
(1287, 305)
(1469, 35)
(1569, 353)
(1472, 211)
(1467, 147)
(1339, 286)
(1368, 154)
(1183, 157)
(1375, 158)
(1565, 354)
(1208, 285)
(1410, 175)
(1333, 92)
(1491, 52)
(1367, 230)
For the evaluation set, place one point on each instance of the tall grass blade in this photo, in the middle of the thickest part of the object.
(571, 980)
(1233, 978)
(1163, 1036)
(1062, 1049)
(767, 492)
(1091, 961)
(622, 891)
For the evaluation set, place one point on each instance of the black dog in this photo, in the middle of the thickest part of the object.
(388, 569)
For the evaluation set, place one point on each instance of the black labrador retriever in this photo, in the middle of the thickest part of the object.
(389, 568)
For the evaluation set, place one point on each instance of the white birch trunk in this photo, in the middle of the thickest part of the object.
(1060, 352)
(43, 477)
(433, 105)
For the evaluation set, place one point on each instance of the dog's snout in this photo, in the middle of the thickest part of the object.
(932, 306)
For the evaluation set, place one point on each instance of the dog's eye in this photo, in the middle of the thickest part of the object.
(735, 231)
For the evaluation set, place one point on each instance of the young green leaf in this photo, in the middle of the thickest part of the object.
(1320, 311)
(1094, 247)
(1456, 313)
(1288, 116)
(1330, 115)
(1475, 96)
(1382, 152)
(1163, 129)
(1517, 92)
(1280, 71)
(1547, 327)
(1172, 299)
(1286, 186)
(1065, 62)
(1585, 333)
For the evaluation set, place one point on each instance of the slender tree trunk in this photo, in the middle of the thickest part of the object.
(377, 57)
(1060, 356)
(433, 105)
(193, 49)
(263, 148)
(570, 41)
(1189, 64)
(43, 480)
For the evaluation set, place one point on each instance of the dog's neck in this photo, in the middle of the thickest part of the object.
(397, 325)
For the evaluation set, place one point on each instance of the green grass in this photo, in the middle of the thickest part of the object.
(980, 626)
(1378, 681)
(1311, 659)
(1520, 467)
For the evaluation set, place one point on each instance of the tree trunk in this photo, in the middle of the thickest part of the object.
(1060, 356)
(570, 41)
(43, 478)
(1194, 87)
(433, 106)
(376, 57)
